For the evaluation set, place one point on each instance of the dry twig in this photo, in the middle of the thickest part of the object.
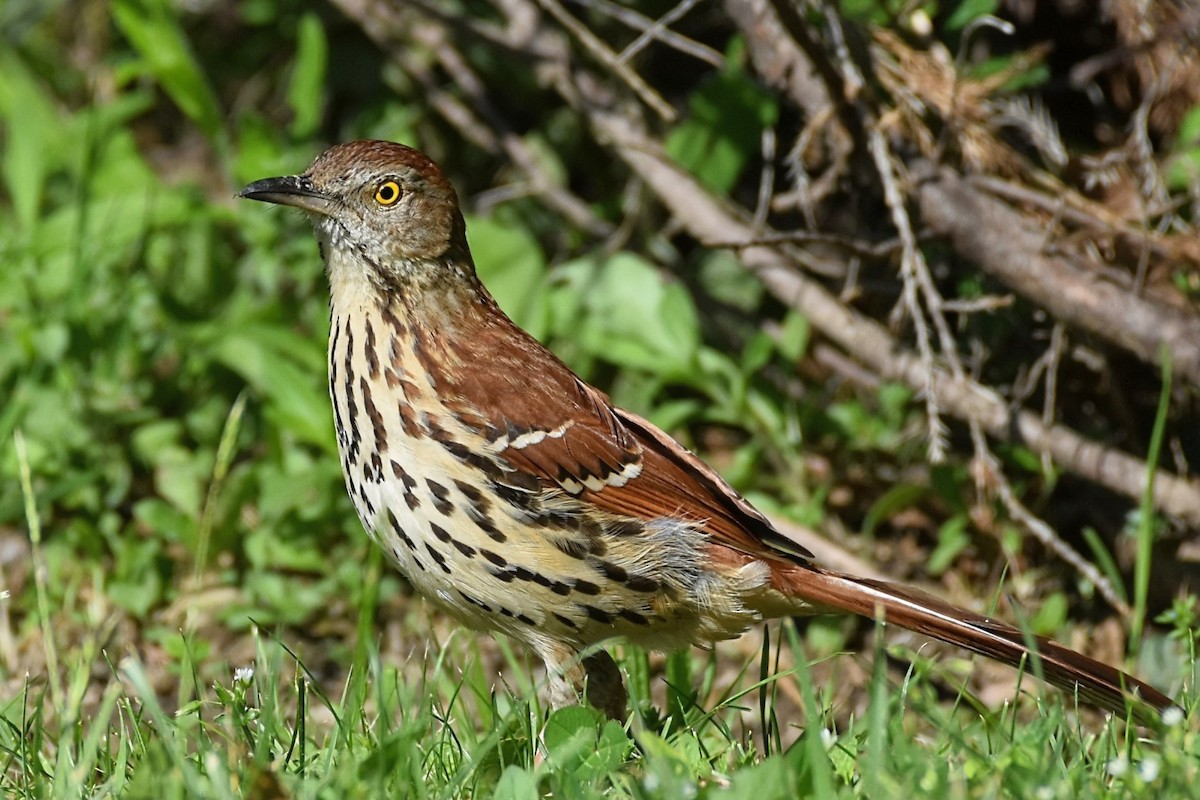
(995, 237)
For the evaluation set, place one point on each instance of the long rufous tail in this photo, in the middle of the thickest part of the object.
(1095, 683)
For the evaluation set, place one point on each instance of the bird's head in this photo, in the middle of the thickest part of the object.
(379, 207)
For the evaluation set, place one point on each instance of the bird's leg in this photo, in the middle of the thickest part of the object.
(605, 687)
(594, 679)
(565, 674)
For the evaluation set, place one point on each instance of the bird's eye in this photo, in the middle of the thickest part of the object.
(387, 193)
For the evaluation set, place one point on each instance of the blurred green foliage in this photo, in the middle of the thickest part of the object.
(1183, 169)
(139, 302)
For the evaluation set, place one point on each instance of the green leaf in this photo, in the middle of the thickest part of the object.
(725, 277)
(722, 134)
(1183, 165)
(179, 477)
(1104, 559)
(794, 336)
(266, 550)
(306, 88)
(1050, 616)
(746, 464)
(136, 597)
(968, 11)
(1183, 169)
(277, 597)
(510, 263)
(671, 766)
(165, 520)
(516, 783)
(946, 481)
(154, 31)
(874, 12)
(680, 694)
(31, 133)
(1189, 127)
(774, 779)
(900, 496)
(637, 319)
(952, 540)
(570, 736)
(266, 358)
(137, 584)
(757, 353)
(825, 635)
(673, 414)
(261, 151)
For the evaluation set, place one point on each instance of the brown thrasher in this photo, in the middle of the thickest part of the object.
(515, 496)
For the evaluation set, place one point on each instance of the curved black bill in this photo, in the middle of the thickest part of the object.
(288, 190)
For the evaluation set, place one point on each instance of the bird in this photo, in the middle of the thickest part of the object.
(520, 499)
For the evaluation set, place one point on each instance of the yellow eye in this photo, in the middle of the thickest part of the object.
(387, 193)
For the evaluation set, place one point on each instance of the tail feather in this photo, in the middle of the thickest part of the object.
(1096, 683)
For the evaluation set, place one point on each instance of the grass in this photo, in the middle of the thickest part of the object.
(189, 609)
(272, 728)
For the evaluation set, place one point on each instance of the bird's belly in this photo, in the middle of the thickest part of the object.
(409, 504)
(496, 567)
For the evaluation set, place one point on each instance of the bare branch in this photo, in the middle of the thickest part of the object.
(840, 90)
(913, 270)
(651, 33)
(1038, 527)
(873, 250)
(656, 29)
(997, 239)
(609, 59)
(1083, 213)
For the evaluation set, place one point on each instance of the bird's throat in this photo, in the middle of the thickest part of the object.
(439, 296)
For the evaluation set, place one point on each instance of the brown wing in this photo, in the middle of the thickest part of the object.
(550, 423)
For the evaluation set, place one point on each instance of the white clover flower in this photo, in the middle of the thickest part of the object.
(1117, 767)
(1172, 716)
(243, 675)
(1148, 769)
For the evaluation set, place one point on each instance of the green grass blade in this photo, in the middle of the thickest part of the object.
(1145, 532)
